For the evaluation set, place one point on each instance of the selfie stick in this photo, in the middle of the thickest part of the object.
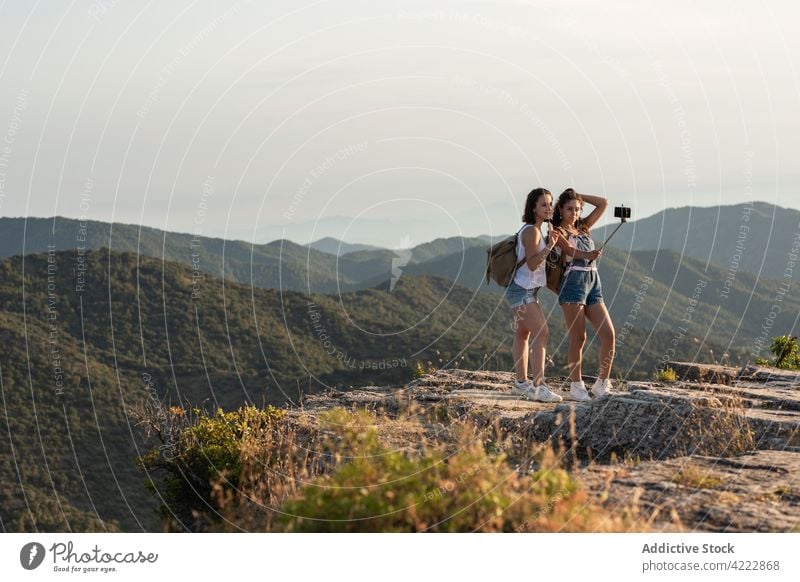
(622, 221)
(612, 234)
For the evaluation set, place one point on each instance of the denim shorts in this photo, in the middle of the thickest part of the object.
(581, 288)
(518, 296)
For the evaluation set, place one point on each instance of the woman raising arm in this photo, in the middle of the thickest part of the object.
(581, 295)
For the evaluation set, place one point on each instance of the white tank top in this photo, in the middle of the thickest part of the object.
(524, 277)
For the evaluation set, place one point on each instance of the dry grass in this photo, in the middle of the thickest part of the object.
(721, 430)
(359, 470)
(696, 478)
(729, 498)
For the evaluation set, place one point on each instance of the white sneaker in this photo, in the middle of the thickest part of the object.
(522, 388)
(577, 391)
(601, 387)
(542, 394)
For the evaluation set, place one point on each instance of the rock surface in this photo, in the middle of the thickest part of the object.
(648, 441)
(752, 492)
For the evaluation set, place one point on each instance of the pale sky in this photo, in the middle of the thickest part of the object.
(254, 119)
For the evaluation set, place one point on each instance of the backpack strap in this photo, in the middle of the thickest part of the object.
(525, 258)
(563, 234)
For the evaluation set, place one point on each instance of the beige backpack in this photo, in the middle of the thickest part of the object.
(501, 261)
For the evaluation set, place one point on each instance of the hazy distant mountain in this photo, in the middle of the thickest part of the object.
(397, 231)
(443, 247)
(337, 247)
(756, 238)
(278, 264)
(739, 234)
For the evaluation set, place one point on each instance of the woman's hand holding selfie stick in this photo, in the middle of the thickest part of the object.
(621, 212)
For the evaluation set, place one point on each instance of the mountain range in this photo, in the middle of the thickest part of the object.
(391, 231)
(280, 264)
(754, 237)
(337, 247)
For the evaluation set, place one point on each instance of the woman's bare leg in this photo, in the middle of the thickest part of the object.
(520, 347)
(576, 330)
(536, 324)
(600, 319)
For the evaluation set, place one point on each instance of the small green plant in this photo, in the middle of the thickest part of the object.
(667, 375)
(696, 478)
(785, 349)
(421, 370)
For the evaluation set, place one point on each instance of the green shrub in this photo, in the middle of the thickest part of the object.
(214, 444)
(785, 349)
(469, 490)
(249, 471)
(204, 451)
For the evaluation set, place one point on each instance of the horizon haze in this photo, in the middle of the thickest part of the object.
(228, 120)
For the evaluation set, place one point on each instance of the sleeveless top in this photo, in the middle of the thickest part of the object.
(582, 242)
(524, 277)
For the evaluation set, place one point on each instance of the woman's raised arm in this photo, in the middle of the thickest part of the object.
(600, 204)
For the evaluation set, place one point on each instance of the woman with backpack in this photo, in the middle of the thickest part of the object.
(581, 295)
(522, 296)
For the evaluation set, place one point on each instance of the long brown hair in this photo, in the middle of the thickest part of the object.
(529, 214)
(566, 196)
